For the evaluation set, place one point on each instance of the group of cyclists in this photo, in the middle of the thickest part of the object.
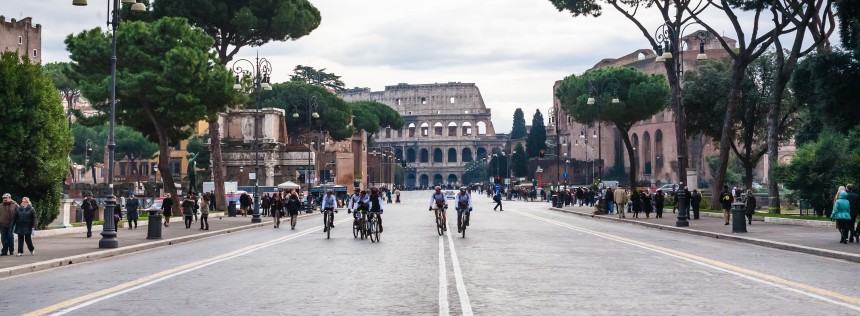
(363, 203)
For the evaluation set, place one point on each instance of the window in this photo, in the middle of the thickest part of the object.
(452, 100)
(34, 53)
(398, 101)
(467, 111)
(20, 40)
(423, 100)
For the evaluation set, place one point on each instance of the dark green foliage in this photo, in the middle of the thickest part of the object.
(319, 77)
(848, 12)
(536, 140)
(129, 143)
(35, 138)
(476, 172)
(519, 128)
(294, 96)
(827, 85)
(519, 162)
(197, 145)
(580, 7)
(818, 168)
(371, 116)
(498, 164)
(238, 23)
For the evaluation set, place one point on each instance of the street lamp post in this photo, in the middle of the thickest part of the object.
(109, 232)
(260, 69)
(596, 90)
(311, 114)
(669, 35)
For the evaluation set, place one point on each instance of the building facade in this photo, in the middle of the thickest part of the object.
(447, 125)
(21, 36)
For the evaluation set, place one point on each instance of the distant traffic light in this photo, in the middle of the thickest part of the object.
(498, 180)
(541, 153)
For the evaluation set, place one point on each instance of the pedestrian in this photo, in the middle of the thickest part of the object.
(196, 200)
(397, 196)
(244, 203)
(620, 200)
(498, 199)
(275, 207)
(188, 209)
(636, 201)
(854, 204)
(659, 201)
(726, 200)
(204, 211)
(25, 224)
(293, 207)
(841, 213)
(90, 207)
(211, 200)
(647, 205)
(7, 217)
(266, 204)
(131, 206)
(749, 206)
(167, 209)
(695, 202)
(117, 217)
(388, 195)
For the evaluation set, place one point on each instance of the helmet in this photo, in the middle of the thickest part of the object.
(463, 188)
(374, 190)
(329, 191)
(357, 190)
(438, 188)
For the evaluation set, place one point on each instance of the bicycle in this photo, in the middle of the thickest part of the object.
(373, 226)
(441, 220)
(328, 214)
(359, 224)
(461, 221)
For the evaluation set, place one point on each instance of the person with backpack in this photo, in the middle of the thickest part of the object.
(464, 204)
(498, 199)
(375, 206)
(726, 200)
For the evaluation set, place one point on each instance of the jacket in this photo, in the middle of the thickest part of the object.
(841, 209)
(750, 205)
(131, 205)
(7, 213)
(854, 201)
(620, 197)
(726, 200)
(696, 201)
(441, 199)
(90, 207)
(463, 199)
(25, 220)
(294, 205)
(188, 207)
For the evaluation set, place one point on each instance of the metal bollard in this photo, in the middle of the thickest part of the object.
(154, 229)
(739, 221)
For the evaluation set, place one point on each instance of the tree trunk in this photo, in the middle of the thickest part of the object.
(738, 72)
(164, 149)
(217, 163)
(630, 155)
(774, 108)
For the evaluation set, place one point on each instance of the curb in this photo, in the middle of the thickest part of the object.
(93, 256)
(755, 241)
(97, 228)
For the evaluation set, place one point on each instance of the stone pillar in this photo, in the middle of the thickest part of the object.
(270, 174)
(64, 219)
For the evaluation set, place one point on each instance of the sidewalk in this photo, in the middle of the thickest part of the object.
(821, 241)
(65, 249)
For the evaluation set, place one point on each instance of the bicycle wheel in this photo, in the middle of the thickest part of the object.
(328, 226)
(439, 224)
(363, 227)
(355, 228)
(372, 229)
(376, 230)
(463, 223)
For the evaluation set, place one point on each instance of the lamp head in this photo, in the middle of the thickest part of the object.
(137, 7)
(590, 101)
(79, 2)
(315, 115)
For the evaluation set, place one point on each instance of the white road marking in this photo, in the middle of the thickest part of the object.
(458, 275)
(791, 286)
(443, 280)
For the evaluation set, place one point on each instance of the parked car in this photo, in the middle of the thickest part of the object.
(670, 187)
(449, 194)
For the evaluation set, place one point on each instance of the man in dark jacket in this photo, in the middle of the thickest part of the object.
(131, 206)
(695, 203)
(7, 214)
(854, 204)
(90, 207)
(726, 200)
(245, 203)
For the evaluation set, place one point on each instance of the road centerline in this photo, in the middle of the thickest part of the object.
(443, 280)
(458, 276)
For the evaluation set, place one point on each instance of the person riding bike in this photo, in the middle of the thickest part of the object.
(440, 201)
(329, 203)
(357, 204)
(375, 205)
(464, 204)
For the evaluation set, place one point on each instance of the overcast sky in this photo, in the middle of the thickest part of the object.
(512, 49)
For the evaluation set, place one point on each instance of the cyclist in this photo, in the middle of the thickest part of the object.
(464, 204)
(440, 201)
(375, 205)
(329, 203)
(358, 203)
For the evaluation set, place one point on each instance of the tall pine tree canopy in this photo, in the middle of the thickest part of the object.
(536, 140)
(519, 128)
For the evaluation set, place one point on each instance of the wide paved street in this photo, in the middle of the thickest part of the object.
(526, 260)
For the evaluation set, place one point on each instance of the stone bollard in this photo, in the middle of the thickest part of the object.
(154, 229)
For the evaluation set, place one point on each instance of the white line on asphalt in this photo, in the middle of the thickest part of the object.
(458, 275)
(92, 298)
(796, 287)
(443, 280)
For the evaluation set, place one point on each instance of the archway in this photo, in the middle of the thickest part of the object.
(467, 155)
(482, 128)
(452, 129)
(411, 130)
(437, 129)
(398, 153)
(410, 180)
(437, 155)
(425, 155)
(467, 128)
(452, 155)
(424, 181)
(452, 179)
(646, 153)
(410, 154)
(658, 152)
(425, 129)
(437, 179)
(481, 153)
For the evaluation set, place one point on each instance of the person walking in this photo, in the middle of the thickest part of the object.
(749, 206)
(276, 204)
(167, 209)
(7, 216)
(841, 214)
(726, 200)
(196, 200)
(188, 209)
(293, 207)
(647, 205)
(620, 200)
(854, 204)
(117, 217)
(131, 206)
(498, 199)
(397, 195)
(266, 204)
(204, 211)
(695, 203)
(659, 201)
(636, 201)
(25, 223)
(90, 207)
(244, 204)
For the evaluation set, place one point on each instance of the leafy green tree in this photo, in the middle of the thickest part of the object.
(520, 161)
(826, 85)
(519, 128)
(848, 13)
(169, 83)
(536, 140)
(197, 145)
(818, 168)
(498, 164)
(706, 109)
(64, 83)
(293, 97)
(476, 172)
(372, 116)
(640, 96)
(129, 143)
(234, 24)
(309, 75)
(36, 138)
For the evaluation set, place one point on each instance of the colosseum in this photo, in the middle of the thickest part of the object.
(447, 125)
